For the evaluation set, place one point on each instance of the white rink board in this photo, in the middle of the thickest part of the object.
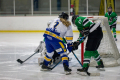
(30, 23)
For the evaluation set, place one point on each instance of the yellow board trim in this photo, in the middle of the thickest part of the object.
(27, 31)
(69, 38)
(47, 59)
(31, 31)
(64, 58)
(63, 47)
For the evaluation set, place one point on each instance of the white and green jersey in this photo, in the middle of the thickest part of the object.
(112, 18)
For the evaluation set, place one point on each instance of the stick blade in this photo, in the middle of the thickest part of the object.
(91, 74)
(19, 61)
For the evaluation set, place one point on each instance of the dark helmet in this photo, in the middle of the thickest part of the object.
(109, 11)
(110, 7)
(64, 15)
(74, 18)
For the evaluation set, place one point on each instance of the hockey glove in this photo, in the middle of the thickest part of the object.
(110, 19)
(69, 47)
(111, 27)
(85, 31)
(75, 45)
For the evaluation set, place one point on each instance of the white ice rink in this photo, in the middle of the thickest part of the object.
(22, 45)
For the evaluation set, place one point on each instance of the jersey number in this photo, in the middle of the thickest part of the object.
(79, 21)
(57, 23)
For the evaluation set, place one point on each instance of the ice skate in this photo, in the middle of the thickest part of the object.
(45, 68)
(115, 39)
(101, 66)
(67, 69)
(83, 71)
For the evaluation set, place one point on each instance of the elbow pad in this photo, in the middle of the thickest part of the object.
(95, 26)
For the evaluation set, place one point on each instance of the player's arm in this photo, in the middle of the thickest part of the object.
(85, 31)
(115, 18)
(106, 15)
(69, 38)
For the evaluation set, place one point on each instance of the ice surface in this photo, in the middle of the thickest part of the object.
(22, 45)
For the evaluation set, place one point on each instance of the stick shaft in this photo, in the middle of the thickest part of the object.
(29, 57)
(77, 58)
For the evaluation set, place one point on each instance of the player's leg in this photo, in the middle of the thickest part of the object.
(95, 54)
(61, 49)
(48, 56)
(98, 60)
(65, 61)
(86, 62)
(114, 32)
(87, 56)
(91, 46)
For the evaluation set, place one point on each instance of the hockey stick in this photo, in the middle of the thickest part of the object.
(20, 61)
(39, 49)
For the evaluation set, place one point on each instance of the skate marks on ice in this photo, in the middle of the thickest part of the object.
(8, 78)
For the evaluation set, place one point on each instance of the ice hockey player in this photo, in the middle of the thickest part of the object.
(42, 50)
(53, 35)
(112, 19)
(94, 33)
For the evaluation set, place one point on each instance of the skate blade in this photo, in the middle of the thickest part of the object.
(85, 74)
(82, 73)
(101, 69)
(67, 73)
(44, 69)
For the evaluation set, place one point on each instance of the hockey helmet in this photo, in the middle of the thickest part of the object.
(64, 15)
(110, 7)
(74, 18)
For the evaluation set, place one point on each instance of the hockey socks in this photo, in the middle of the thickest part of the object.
(97, 57)
(66, 64)
(87, 57)
(65, 60)
(47, 60)
(114, 32)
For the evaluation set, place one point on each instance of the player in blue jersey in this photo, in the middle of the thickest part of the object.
(59, 28)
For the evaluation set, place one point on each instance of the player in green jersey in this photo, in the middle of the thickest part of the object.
(112, 19)
(95, 35)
